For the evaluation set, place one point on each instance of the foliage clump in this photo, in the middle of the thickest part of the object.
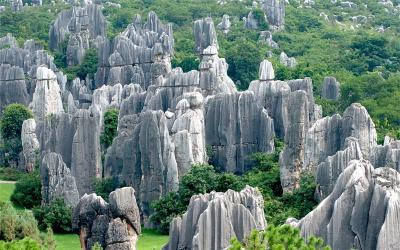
(27, 192)
(57, 216)
(110, 127)
(10, 127)
(282, 237)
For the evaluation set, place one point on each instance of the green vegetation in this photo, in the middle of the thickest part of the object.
(57, 216)
(17, 224)
(10, 128)
(24, 244)
(110, 127)
(282, 237)
(67, 242)
(27, 192)
(10, 174)
(103, 187)
(265, 175)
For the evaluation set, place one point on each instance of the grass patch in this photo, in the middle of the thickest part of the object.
(67, 242)
(151, 240)
(6, 189)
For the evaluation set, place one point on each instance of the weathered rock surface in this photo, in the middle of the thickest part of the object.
(143, 155)
(211, 220)
(138, 55)
(266, 37)
(386, 155)
(233, 142)
(12, 86)
(47, 97)
(30, 144)
(16, 5)
(250, 22)
(291, 158)
(204, 34)
(275, 11)
(328, 171)
(82, 25)
(57, 181)
(289, 62)
(225, 24)
(328, 135)
(361, 212)
(330, 88)
(189, 132)
(114, 226)
(8, 41)
(85, 152)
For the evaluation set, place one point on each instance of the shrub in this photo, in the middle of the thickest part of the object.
(110, 127)
(281, 237)
(57, 216)
(10, 127)
(103, 187)
(27, 192)
(49, 240)
(24, 244)
(17, 224)
(10, 174)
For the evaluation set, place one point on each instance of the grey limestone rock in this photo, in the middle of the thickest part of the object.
(85, 152)
(225, 24)
(115, 226)
(266, 37)
(138, 55)
(8, 41)
(250, 22)
(275, 11)
(386, 155)
(204, 34)
(212, 219)
(13, 88)
(328, 171)
(330, 88)
(328, 135)
(291, 158)
(47, 97)
(289, 62)
(57, 181)
(16, 5)
(233, 142)
(30, 144)
(360, 212)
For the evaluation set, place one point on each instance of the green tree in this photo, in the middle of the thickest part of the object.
(10, 127)
(282, 237)
(103, 187)
(27, 192)
(110, 127)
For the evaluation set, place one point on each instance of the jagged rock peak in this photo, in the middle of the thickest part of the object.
(204, 34)
(275, 11)
(266, 71)
(360, 213)
(330, 88)
(114, 226)
(57, 181)
(212, 219)
(47, 96)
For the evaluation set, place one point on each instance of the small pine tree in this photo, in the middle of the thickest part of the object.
(50, 241)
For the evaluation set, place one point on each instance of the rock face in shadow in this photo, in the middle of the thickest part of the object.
(114, 225)
(57, 181)
(361, 212)
(232, 143)
(386, 155)
(12, 86)
(212, 219)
